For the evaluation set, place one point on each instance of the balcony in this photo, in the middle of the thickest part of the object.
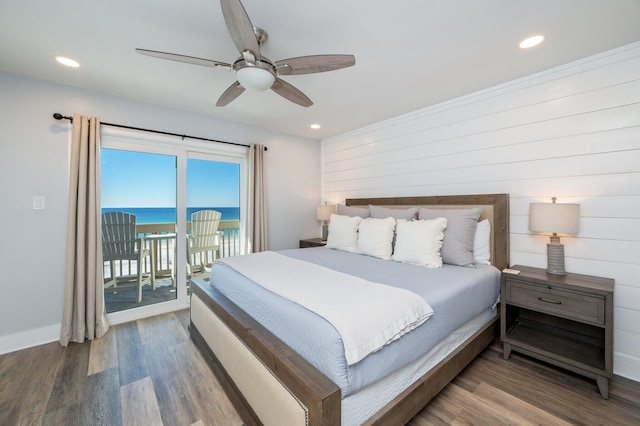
(163, 251)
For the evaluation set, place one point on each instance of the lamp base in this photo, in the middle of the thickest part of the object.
(325, 232)
(555, 257)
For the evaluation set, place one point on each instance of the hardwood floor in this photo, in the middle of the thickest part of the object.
(149, 373)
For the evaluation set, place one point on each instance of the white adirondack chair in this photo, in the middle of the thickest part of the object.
(121, 243)
(204, 241)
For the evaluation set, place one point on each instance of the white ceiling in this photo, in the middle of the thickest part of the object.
(409, 54)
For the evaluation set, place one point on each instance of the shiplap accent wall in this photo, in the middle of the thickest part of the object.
(572, 132)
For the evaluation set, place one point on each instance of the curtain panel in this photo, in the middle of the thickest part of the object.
(84, 315)
(257, 224)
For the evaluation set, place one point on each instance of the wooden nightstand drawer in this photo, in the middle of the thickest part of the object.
(577, 306)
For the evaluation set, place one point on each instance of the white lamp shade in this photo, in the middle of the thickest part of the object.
(325, 211)
(554, 217)
(253, 78)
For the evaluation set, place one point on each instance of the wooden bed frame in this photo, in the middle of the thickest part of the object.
(269, 383)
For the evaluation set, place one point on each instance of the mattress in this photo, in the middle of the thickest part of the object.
(456, 294)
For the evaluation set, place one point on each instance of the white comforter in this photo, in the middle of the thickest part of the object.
(367, 315)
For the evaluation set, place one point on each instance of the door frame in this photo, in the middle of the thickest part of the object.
(182, 149)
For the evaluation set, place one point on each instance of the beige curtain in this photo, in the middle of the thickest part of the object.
(84, 315)
(257, 223)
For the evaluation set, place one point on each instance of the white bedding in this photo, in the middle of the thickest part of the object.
(455, 293)
(367, 315)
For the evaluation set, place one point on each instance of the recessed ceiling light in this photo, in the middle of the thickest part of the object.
(315, 126)
(67, 61)
(531, 41)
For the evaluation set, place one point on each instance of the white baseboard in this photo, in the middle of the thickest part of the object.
(51, 333)
(626, 366)
(29, 338)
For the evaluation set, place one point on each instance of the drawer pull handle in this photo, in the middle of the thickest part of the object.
(555, 302)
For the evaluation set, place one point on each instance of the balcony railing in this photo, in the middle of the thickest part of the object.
(164, 248)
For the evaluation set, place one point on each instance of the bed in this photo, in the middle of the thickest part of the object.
(275, 377)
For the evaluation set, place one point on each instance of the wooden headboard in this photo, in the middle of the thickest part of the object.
(495, 207)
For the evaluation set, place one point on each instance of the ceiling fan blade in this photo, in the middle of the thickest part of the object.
(230, 94)
(289, 92)
(184, 58)
(240, 27)
(314, 64)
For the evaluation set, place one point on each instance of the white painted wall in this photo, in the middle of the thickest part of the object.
(572, 132)
(33, 161)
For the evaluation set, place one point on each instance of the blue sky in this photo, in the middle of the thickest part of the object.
(136, 179)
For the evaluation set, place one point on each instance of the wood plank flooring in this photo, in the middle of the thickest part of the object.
(150, 373)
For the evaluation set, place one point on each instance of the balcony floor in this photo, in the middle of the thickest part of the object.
(125, 295)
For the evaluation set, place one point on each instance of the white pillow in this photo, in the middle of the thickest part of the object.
(418, 242)
(375, 237)
(343, 232)
(482, 242)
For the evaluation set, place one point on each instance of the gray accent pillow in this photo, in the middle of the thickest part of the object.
(362, 212)
(457, 247)
(378, 212)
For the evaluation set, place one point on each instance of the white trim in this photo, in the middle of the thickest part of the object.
(29, 338)
(135, 314)
(148, 139)
(626, 365)
(576, 67)
(51, 333)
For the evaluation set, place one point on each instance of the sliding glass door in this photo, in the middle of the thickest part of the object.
(150, 188)
(138, 194)
(213, 212)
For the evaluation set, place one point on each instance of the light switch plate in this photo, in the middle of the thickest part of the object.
(38, 202)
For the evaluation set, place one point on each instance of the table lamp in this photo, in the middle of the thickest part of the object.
(323, 213)
(555, 218)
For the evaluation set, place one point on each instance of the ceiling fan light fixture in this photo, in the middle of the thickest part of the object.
(254, 78)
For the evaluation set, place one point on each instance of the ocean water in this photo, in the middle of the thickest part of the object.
(168, 214)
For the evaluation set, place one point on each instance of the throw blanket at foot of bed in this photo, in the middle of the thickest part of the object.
(367, 315)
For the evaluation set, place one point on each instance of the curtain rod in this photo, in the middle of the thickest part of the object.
(59, 116)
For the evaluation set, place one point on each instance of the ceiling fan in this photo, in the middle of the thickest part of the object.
(254, 71)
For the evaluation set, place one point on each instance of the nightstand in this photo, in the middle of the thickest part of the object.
(565, 320)
(312, 242)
